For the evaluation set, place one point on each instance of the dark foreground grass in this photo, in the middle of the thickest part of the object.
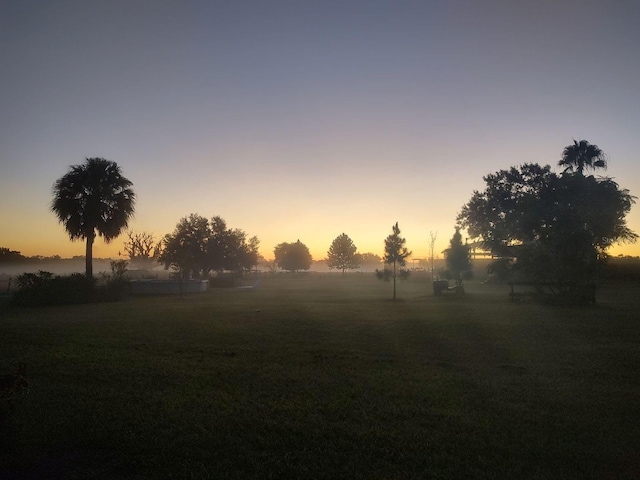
(324, 377)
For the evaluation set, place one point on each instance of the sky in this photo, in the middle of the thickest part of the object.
(306, 119)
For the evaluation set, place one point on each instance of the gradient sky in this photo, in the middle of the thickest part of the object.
(302, 120)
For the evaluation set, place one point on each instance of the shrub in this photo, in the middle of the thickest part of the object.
(44, 288)
(114, 286)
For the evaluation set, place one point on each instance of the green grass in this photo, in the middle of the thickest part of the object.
(325, 377)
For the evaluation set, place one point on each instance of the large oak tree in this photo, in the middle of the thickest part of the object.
(198, 246)
(556, 226)
(292, 256)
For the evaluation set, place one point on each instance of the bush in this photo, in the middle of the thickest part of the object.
(44, 288)
(114, 286)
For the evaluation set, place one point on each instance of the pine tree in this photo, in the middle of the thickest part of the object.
(458, 257)
(395, 253)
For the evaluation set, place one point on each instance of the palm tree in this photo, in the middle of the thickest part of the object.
(93, 199)
(582, 156)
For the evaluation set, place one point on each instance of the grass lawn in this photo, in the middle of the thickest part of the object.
(324, 377)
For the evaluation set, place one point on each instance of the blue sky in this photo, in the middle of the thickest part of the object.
(302, 120)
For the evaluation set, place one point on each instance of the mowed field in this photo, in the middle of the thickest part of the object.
(324, 377)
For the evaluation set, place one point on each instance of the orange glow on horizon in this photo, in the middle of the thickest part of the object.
(65, 248)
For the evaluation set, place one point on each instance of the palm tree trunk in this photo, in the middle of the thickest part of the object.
(89, 257)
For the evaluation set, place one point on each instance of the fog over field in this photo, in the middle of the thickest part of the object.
(64, 266)
(67, 266)
(76, 265)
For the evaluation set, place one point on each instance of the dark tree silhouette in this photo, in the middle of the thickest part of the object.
(557, 226)
(343, 254)
(7, 255)
(292, 256)
(582, 156)
(185, 248)
(140, 248)
(395, 253)
(232, 250)
(92, 199)
(197, 246)
(458, 258)
(510, 209)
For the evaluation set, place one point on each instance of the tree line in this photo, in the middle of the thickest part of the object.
(539, 224)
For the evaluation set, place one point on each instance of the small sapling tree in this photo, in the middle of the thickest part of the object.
(395, 255)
